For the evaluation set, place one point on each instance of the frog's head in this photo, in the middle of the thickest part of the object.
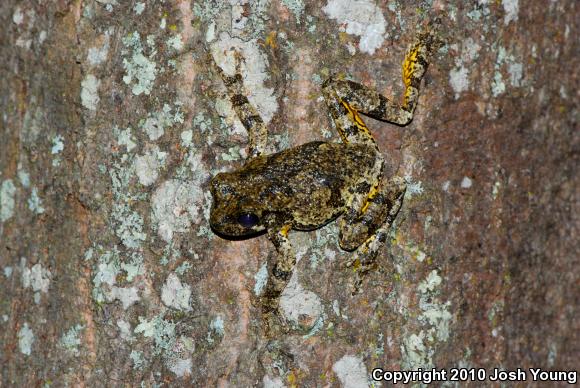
(234, 211)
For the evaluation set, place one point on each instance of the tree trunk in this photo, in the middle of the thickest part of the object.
(113, 122)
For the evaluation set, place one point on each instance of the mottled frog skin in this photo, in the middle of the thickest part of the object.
(308, 186)
(304, 187)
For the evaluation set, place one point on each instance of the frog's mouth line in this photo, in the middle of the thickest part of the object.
(237, 238)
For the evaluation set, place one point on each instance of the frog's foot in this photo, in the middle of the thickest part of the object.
(368, 215)
(273, 323)
(415, 64)
(358, 280)
(276, 354)
(379, 212)
(365, 259)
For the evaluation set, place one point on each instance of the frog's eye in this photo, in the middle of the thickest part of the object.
(247, 220)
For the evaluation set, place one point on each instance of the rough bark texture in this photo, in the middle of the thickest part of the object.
(112, 123)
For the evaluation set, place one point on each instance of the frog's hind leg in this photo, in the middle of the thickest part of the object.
(346, 98)
(382, 204)
(367, 228)
(246, 112)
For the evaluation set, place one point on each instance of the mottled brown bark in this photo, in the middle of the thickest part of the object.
(96, 176)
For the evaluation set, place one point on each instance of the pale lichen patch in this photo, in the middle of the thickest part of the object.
(106, 273)
(495, 189)
(37, 278)
(497, 85)
(70, 340)
(272, 382)
(184, 267)
(161, 331)
(147, 166)
(17, 16)
(216, 330)
(7, 202)
(126, 295)
(459, 80)
(97, 55)
(25, 339)
(466, 182)
(414, 188)
(296, 7)
(511, 8)
(139, 8)
(108, 268)
(438, 317)
(90, 92)
(415, 352)
(178, 359)
(351, 372)
(57, 145)
(435, 318)
(459, 75)
(57, 148)
(125, 330)
(23, 177)
(128, 222)
(187, 138)
(515, 71)
(175, 205)
(261, 278)
(156, 122)
(217, 325)
(299, 306)
(140, 71)
(359, 17)
(125, 138)
(175, 294)
(138, 359)
(470, 50)
(181, 367)
(428, 285)
(175, 43)
(35, 203)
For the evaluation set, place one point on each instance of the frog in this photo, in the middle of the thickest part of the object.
(303, 188)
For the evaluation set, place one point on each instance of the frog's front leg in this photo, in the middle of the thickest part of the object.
(246, 112)
(279, 273)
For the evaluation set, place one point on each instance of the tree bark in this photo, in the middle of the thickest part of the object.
(113, 122)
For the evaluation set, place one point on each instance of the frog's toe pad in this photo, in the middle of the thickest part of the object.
(274, 324)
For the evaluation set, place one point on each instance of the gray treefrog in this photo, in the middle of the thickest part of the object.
(308, 186)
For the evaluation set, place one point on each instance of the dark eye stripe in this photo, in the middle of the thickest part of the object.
(247, 220)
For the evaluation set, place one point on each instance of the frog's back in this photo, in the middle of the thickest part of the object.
(311, 182)
(321, 160)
